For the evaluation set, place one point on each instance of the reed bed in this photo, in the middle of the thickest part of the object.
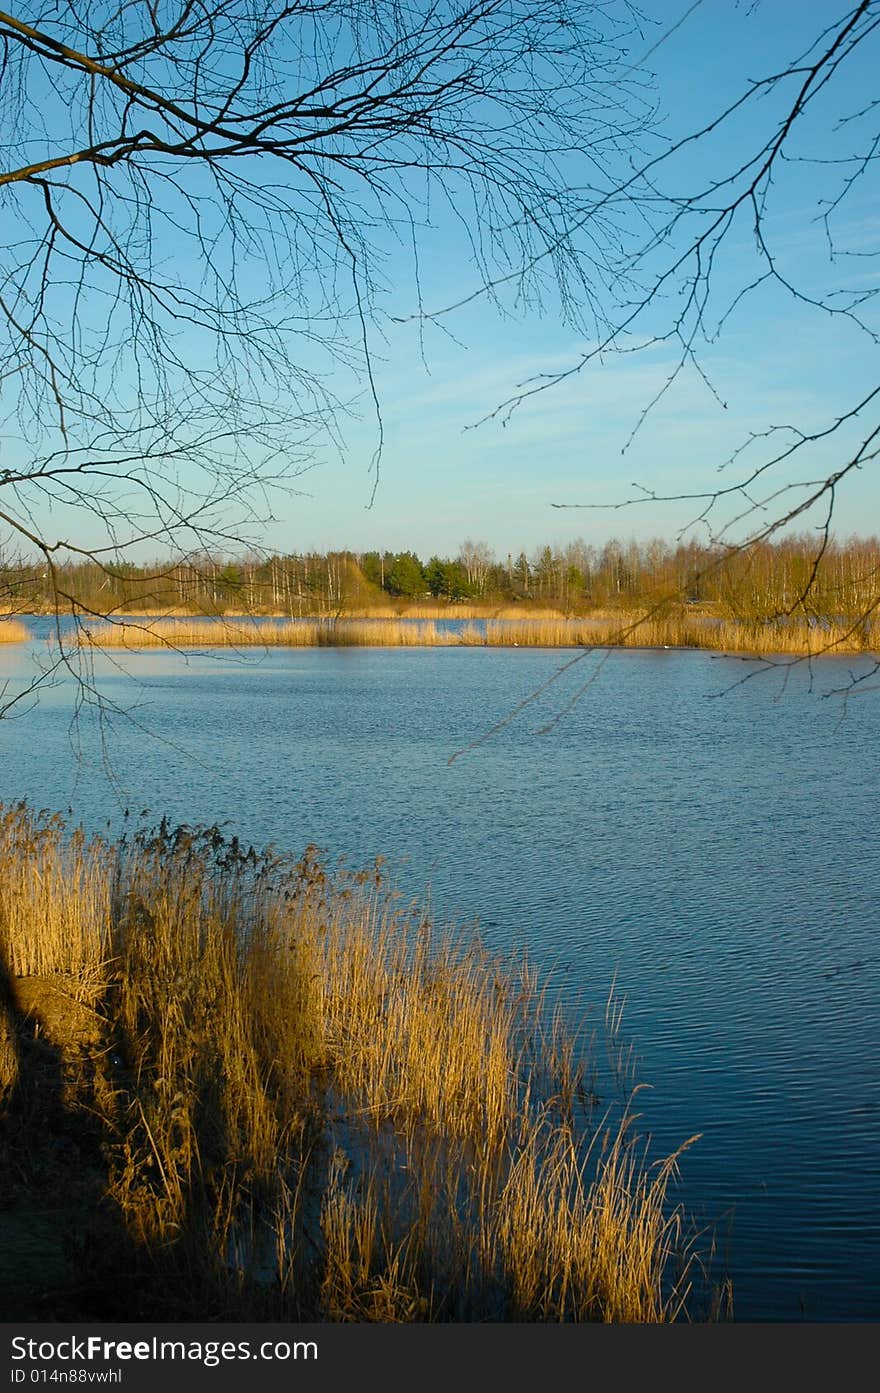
(148, 612)
(645, 630)
(380, 612)
(474, 611)
(12, 630)
(305, 1101)
(441, 611)
(684, 630)
(608, 629)
(303, 633)
(519, 613)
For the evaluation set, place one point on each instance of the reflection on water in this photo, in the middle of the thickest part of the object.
(718, 853)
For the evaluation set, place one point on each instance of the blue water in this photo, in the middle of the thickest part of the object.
(709, 843)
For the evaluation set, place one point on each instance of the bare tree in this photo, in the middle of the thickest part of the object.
(477, 558)
(200, 197)
(684, 280)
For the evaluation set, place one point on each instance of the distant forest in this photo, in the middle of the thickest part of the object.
(794, 574)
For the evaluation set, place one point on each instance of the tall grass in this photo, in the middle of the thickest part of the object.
(55, 910)
(304, 633)
(618, 629)
(313, 1104)
(12, 630)
(476, 611)
(678, 630)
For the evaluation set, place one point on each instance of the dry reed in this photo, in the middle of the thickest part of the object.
(312, 1104)
(679, 630)
(12, 630)
(302, 633)
(462, 611)
(608, 629)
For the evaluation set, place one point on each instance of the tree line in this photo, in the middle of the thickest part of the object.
(790, 575)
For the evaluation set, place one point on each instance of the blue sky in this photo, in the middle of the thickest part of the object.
(453, 466)
(776, 361)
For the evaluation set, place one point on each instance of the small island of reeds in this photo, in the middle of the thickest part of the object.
(677, 628)
(237, 1085)
(12, 630)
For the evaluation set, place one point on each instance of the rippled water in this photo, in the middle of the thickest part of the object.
(718, 853)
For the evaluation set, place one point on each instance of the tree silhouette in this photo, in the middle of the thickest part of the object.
(201, 198)
(687, 277)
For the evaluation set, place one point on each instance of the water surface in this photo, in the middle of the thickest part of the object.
(709, 842)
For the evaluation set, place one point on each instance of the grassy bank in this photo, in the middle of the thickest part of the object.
(237, 1087)
(604, 629)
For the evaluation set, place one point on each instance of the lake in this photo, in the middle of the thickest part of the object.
(707, 844)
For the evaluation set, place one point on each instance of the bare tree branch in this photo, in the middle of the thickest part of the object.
(200, 198)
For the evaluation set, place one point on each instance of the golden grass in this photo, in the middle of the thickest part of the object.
(678, 629)
(311, 1103)
(12, 631)
(474, 611)
(304, 633)
(164, 612)
(377, 612)
(524, 612)
(682, 629)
